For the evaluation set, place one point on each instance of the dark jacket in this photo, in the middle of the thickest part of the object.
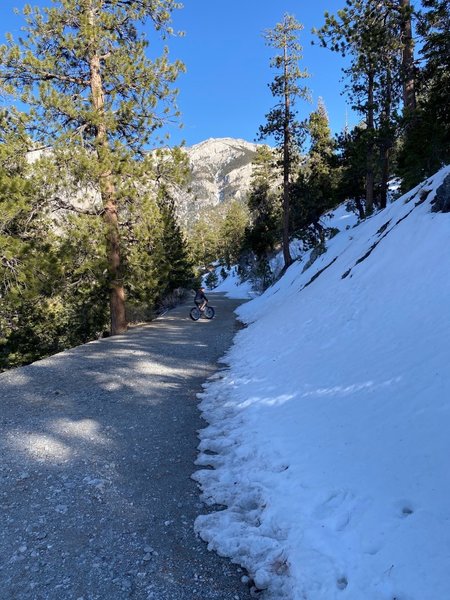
(200, 297)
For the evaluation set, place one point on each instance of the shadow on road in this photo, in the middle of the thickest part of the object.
(98, 445)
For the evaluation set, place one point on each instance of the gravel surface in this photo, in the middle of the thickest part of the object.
(97, 449)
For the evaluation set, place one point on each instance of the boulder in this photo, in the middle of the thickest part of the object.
(441, 202)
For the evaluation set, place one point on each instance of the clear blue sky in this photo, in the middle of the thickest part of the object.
(224, 92)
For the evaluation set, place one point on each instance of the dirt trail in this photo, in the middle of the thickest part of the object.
(97, 449)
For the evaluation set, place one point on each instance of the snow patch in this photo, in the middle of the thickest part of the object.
(232, 285)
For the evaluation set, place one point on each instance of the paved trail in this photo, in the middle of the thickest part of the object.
(97, 449)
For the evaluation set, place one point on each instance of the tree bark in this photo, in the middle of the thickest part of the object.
(286, 167)
(370, 152)
(108, 194)
(384, 176)
(409, 91)
(386, 144)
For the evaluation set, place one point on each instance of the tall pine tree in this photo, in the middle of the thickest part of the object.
(425, 146)
(368, 32)
(83, 70)
(264, 228)
(281, 121)
(314, 190)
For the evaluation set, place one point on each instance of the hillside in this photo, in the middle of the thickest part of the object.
(328, 434)
(220, 171)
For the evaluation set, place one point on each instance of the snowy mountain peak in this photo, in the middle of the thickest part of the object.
(221, 170)
(226, 141)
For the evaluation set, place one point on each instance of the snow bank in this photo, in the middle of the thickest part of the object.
(329, 433)
(340, 218)
(232, 285)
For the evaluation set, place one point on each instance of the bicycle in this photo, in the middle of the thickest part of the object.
(208, 313)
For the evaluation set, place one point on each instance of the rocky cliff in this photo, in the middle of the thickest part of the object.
(220, 171)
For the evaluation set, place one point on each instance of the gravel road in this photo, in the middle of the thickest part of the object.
(97, 448)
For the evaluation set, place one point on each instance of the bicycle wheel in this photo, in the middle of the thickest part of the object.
(209, 312)
(195, 313)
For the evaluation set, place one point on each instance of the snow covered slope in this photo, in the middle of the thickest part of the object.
(231, 285)
(329, 433)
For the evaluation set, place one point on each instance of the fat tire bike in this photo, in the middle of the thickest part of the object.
(208, 313)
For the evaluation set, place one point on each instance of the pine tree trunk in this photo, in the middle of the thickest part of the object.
(409, 91)
(286, 168)
(370, 149)
(386, 141)
(108, 194)
(384, 177)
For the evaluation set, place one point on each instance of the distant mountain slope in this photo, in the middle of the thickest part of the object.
(329, 435)
(220, 171)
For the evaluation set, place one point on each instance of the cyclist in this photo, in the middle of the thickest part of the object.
(200, 299)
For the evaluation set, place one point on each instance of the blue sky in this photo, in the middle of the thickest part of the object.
(224, 92)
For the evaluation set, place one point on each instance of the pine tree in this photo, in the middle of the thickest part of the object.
(204, 238)
(264, 228)
(176, 269)
(23, 230)
(322, 144)
(425, 146)
(83, 70)
(154, 248)
(368, 31)
(232, 232)
(314, 191)
(407, 47)
(281, 121)
(51, 281)
(351, 147)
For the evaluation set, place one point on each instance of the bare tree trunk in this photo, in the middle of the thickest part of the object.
(108, 193)
(286, 168)
(370, 149)
(409, 91)
(385, 156)
(386, 141)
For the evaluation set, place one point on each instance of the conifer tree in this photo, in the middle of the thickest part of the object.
(408, 77)
(351, 146)
(171, 172)
(23, 233)
(51, 282)
(367, 31)
(204, 238)
(82, 69)
(314, 190)
(232, 232)
(175, 268)
(425, 146)
(154, 248)
(264, 204)
(281, 121)
(322, 144)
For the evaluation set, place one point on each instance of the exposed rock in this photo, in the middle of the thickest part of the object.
(441, 202)
(315, 253)
(220, 172)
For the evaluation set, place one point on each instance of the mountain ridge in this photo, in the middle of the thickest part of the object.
(221, 170)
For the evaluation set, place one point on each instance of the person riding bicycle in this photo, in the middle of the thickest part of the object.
(200, 299)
